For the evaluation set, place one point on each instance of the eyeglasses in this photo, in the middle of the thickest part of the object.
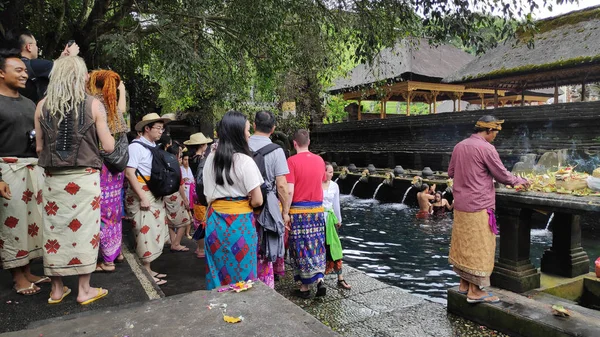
(160, 128)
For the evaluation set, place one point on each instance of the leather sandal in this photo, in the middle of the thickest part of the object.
(343, 284)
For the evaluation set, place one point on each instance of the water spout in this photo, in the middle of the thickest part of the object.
(336, 179)
(443, 194)
(406, 193)
(377, 190)
(549, 221)
(353, 186)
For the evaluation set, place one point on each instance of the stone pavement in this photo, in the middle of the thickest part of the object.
(265, 312)
(373, 308)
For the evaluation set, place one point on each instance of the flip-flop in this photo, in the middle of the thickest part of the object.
(462, 292)
(157, 275)
(482, 299)
(183, 250)
(100, 268)
(66, 291)
(44, 279)
(159, 282)
(22, 291)
(100, 294)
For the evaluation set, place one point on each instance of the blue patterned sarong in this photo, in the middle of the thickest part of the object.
(231, 243)
(307, 241)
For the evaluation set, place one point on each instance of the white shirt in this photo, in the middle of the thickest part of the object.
(331, 199)
(140, 157)
(244, 173)
(187, 173)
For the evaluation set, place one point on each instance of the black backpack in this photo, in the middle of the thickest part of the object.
(165, 177)
(259, 159)
(35, 88)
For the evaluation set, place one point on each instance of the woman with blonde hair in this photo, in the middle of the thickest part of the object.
(104, 85)
(69, 126)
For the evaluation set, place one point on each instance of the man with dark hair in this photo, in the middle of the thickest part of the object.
(20, 217)
(276, 187)
(37, 69)
(424, 197)
(147, 211)
(307, 233)
(474, 165)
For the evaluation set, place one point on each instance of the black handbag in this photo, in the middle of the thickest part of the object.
(116, 161)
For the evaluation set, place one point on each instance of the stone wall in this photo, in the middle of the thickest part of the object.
(428, 140)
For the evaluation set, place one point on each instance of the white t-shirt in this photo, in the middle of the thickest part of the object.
(331, 199)
(140, 157)
(187, 173)
(244, 173)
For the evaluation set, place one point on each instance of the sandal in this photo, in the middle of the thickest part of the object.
(159, 282)
(66, 291)
(302, 294)
(343, 284)
(25, 291)
(105, 267)
(44, 279)
(321, 290)
(157, 275)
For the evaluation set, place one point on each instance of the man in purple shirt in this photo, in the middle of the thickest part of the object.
(474, 165)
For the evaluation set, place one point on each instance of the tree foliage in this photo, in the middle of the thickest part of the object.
(226, 52)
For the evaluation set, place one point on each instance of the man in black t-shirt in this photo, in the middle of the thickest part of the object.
(37, 69)
(21, 216)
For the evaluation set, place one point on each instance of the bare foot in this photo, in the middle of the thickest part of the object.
(26, 288)
(58, 292)
(464, 286)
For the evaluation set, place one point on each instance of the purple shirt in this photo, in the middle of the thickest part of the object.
(473, 164)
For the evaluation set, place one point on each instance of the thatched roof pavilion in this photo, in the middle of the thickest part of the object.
(411, 72)
(566, 52)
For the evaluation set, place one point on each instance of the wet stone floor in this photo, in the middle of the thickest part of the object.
(374, 308)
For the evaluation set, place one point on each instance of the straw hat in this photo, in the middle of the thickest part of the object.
(150, 118)
(197, 139)
(170, 116)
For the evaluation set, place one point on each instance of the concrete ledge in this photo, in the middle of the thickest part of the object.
(266, 313)
(521, 316)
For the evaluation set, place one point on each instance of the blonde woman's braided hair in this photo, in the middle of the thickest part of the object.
(66, 89)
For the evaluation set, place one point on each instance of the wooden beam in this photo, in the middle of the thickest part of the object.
(583, 91)
(482, 96)
(434, 95)
(555, 91)
(495, 98)
(359, 110)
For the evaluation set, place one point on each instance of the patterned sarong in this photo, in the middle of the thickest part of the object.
(71, 221)
(333, 245)
(307, 241)
(472, 247)
(21, 217)
(148, 226)
(111, 209)
(230, 242)
(176, 211)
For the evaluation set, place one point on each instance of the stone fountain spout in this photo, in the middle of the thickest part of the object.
(389, 179)
(364, 177)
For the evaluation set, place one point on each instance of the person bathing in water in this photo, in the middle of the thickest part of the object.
(440, 205)
(425, 197)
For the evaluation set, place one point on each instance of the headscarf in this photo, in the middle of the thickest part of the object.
(494, 125)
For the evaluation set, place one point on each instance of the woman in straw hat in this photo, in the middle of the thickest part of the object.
(69, 126)
(147, 211)
(104, 85)
(198, 145)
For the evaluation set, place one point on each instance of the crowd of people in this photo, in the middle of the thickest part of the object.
(63, 190)
(65, 195)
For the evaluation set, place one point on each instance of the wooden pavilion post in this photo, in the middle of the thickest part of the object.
(359, 116)
(482, 96)
(555, 91)
(456, 96)
(583, 91)
(382, 112)
(523, 94)
(408, 96)
(434, 95)
(496, 98)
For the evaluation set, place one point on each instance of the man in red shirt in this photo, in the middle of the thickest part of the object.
(307, 233)
(474, 165)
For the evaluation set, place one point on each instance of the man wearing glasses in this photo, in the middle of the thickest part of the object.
(37, 69)
(147, 211)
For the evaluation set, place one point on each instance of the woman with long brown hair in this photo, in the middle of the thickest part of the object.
(104, 85)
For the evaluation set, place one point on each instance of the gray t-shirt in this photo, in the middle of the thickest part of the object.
(16, 121)
(275, 162)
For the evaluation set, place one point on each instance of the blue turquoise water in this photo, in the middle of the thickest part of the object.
(387, 242)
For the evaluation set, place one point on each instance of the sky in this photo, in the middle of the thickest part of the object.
(562, 9)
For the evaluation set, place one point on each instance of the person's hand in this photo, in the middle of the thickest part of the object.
(73, 50)
(287, 221)
(185, 180)
(5, 190)
(121, 86)
(144, 204)
(186, 203)
(338, 225)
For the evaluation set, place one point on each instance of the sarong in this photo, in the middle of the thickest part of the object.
(472, 247)
(148, 226)
(264, 267)
(230, 242)
(423, 215)
(71, 221)
(307, 241)
(199, 219)
(333, 245)
(176, 212)
(111, 210)
(21, 223)
(279, 265)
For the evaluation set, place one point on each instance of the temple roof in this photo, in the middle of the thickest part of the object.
(417, 61)
(566, 51)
